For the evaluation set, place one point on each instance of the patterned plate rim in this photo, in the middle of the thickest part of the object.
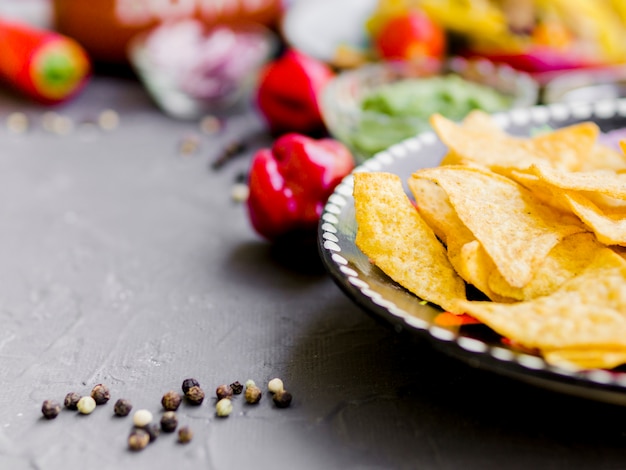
(604, 385)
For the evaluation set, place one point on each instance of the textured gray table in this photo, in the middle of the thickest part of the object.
(126, 263)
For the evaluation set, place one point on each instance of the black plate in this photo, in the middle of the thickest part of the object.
(479, 346)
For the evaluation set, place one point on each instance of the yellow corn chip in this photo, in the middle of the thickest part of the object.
(609, 228)
(604, 158)
(602, 182)
(514, 227)
(585, 358)
(587, 312)
(566, 148)
(465, 253)
(397, 240)
(567, 259)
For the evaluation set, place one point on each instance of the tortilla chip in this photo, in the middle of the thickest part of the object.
(603, 157)
(397, 240)
(480, 121)
(602, 182)
(479, 143)
(585, 358)
(566, 260)
(609, 228)
(567, 148)
(466, 254)
(475, 146)
(513, 226)
(587, 312)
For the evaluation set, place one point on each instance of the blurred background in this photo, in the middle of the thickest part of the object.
(196, 57)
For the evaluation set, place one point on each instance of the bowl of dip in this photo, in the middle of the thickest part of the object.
(377, 105)
(190, 70)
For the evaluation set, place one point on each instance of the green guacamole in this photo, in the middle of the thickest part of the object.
(450, 95)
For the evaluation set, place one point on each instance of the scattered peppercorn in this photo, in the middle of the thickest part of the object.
(108, 119)
(189, 144)
(86, 405)
(275, 385)
(50, 409)
(100, 393)
(122, 407)
(253, 394)
(282, 399)
(185, 435)
(250, 383)
(153, 430)
(224, 391)
(17, 123)
(138, 439)
(236, 387)
(210, 124)
(71, 400)
(239, 192)
(169, 421)
(188, 383)
(224, 407)
(195, 395)
(142, 418)
(171, 401)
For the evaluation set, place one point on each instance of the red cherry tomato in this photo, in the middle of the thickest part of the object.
(410, 36)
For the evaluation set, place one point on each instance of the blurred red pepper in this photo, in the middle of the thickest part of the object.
(290, 183)
(44, 65)
(288, 93)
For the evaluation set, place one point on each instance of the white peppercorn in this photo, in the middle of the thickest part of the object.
(275, 385)
(86, 405)
(224, 407)
(142, 418)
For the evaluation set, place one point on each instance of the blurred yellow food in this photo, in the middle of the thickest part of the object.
(595, 29)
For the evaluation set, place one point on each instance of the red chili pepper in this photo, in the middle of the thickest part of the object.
(288, 93)
(290, 183)
(44, 65)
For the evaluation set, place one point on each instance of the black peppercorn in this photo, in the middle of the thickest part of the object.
(236, 387)
(138, 439)
(171, 401)
(169, 421)
(253, 394)
(282, 399)
(122, 407)
(153, 430)
(71, 400)
(50, 409)
(100, 393)
(195, 395)
(185, 435)
(188, 383)
(224, 391)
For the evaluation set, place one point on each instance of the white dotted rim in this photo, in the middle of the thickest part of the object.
(535, 116)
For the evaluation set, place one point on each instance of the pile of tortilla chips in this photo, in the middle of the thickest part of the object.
(537, 224)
